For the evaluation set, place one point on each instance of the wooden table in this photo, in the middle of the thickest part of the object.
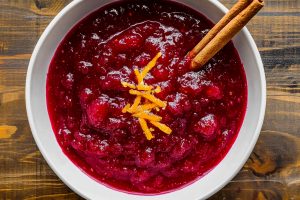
(273, 170)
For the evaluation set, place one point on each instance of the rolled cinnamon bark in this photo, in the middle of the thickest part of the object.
(226, 34)
(233, 12)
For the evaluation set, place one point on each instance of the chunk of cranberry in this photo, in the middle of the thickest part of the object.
(160, 72)
(140, 176)
(134, 126)
(97, 112)
(120, 60)
(153, 44)
(127, 42)
(145, 157)
(142, 60)
(84, 127)
(102, 61)
(66, 136)
(167, 87)
(207, 127)
(166, 116)
(78, 146)
(79, 142)
(116, 149)
(80, 137)
(197, 106)
(84, 67)
(192, 83)
(204, 102)
(181, 149)
(131, 147)
(102, 70)
(179, 126)
(116, 106)
(68, 81)
(182, 65)
(149, 27)
(163, 161)
(213, 92)
(178, 104)
(86, 95)
(118, 135)
(72, 123)
(115, 123)
(163, 143)
(150, 79)
(112, 81)
(99, 147)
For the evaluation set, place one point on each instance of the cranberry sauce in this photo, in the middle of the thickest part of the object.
(85, 97)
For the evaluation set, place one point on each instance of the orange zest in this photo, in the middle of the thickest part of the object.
(162, 127)
(146, 129)
(145, 101)
(148, 116)
(150, 97)
(129, 85)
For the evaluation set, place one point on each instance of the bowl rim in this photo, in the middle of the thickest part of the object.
(32, 125)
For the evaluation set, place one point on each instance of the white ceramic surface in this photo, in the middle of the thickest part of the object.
(89, 188)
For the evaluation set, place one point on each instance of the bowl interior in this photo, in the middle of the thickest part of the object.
(86, 186)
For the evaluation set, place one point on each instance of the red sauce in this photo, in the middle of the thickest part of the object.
(85, 97)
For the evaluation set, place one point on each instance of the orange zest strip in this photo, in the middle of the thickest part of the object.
(136, 103)
(150, 97)
(150, 65)
(148, 116)
(144, 87)
(164, 128)
(148, 106)
(155, 100)
(125, 109)
(145, 128)
(135, 92)
(138, 76)
(157, 89)
(129, 85)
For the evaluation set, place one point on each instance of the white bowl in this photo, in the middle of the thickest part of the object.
(88, 187)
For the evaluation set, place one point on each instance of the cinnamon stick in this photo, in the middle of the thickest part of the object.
(232, 13)
(226, 34)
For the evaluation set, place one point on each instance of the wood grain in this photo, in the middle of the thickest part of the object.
(272, 171)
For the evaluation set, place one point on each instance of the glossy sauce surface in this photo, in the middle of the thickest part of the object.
(85, 97)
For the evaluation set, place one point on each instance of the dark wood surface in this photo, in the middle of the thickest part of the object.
(273, 170)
